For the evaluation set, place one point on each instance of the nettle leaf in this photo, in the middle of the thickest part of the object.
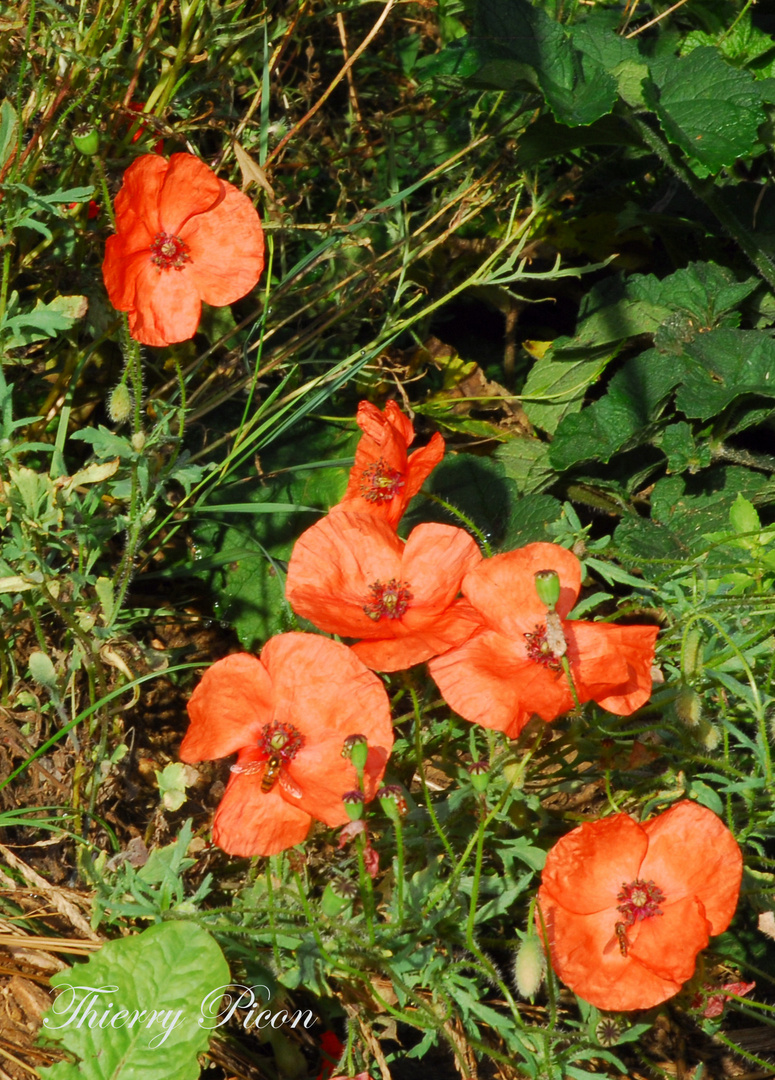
(707, 107)
(156, 983)
(723, 364)
(530, 520)
(682, 452)
(577, 87)
(555, 388)
(636, 396)
(693, 508)
(595, 36)
(526, 462)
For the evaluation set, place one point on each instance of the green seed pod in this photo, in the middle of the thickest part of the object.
(356, 748)
(391, 799)
(337, 895)
(120, 403)
(479, 771)
(529, 967)
(688, 706)
(86, 140)
(548, 587)
(353, 804)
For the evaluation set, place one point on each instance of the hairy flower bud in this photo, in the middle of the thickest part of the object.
(688, 706)
(691, 654)
(529, 967)
(138, 441)
(120, 403)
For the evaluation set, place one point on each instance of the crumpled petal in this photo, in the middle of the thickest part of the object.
(228, 708)
(252, 822)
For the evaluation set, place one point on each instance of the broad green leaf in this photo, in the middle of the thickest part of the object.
(156, 983)
(707, 107)
(743, 516)
(692, 509)
(529, 520)
(722, 365)
(635, 398)
(683, 453)
(526, 462)
(555, 388)
(521, 38)
(8, 124)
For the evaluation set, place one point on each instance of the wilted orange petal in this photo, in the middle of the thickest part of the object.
(421, 464)
(692, 852)
(635, 644)
(586, 869)
(252, 822)
(228, 708)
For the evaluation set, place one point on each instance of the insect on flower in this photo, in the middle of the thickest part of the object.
(269, 773)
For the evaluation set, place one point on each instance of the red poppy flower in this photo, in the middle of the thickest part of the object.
(512, 667)
(384, 479)
(351, 575)
(287, 715)
(182, 237)
(628, 907)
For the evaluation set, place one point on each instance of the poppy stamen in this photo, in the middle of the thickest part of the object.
(639, 900)
(169, 252)
(388, 601)
(540, 651)
(280, 740)
(380, 482)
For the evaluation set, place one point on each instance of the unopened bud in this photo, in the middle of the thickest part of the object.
(709, 734)
(479, 771)
(138, 441)
(529, 967)
(120, 403)
(392, 801)
(353, 804)
(691, 654)
(548, 587)
(356, 748)
(86, 140)
(688, 706)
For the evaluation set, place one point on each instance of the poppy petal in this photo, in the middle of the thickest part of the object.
(431, 638)
(596, 662)
(586, 955)
(421, 464)
(332, 566)
(503, 588)
(692, 853)
(140, 191)
(228, 708)
(586, 869)
(435, 560)
(190, 187)
(489, 680)
(252, 822)
(232, 229)
(636, 645)
(653, 939)
(326, 693)
(166, 308)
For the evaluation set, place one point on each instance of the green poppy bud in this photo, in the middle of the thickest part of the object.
(86, 139)
(691, 657)
(688, 706)
(548, 587)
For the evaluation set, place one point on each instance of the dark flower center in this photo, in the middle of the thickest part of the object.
(380, 483)
(638, 900)
(388, 600)
(169, 252)
(540, 651)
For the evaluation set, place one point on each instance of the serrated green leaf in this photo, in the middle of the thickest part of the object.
(743, 516)
(682, 452)
(555, 388)
(707, 107)
(692, 509)
(577, 87)
(161, 978)
(723, 364)
(526, 462)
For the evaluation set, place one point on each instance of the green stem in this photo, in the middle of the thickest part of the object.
(483, 819)
(400, 868)
(421, 773)
(271, 911)
(367, 892)
(477, 532)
